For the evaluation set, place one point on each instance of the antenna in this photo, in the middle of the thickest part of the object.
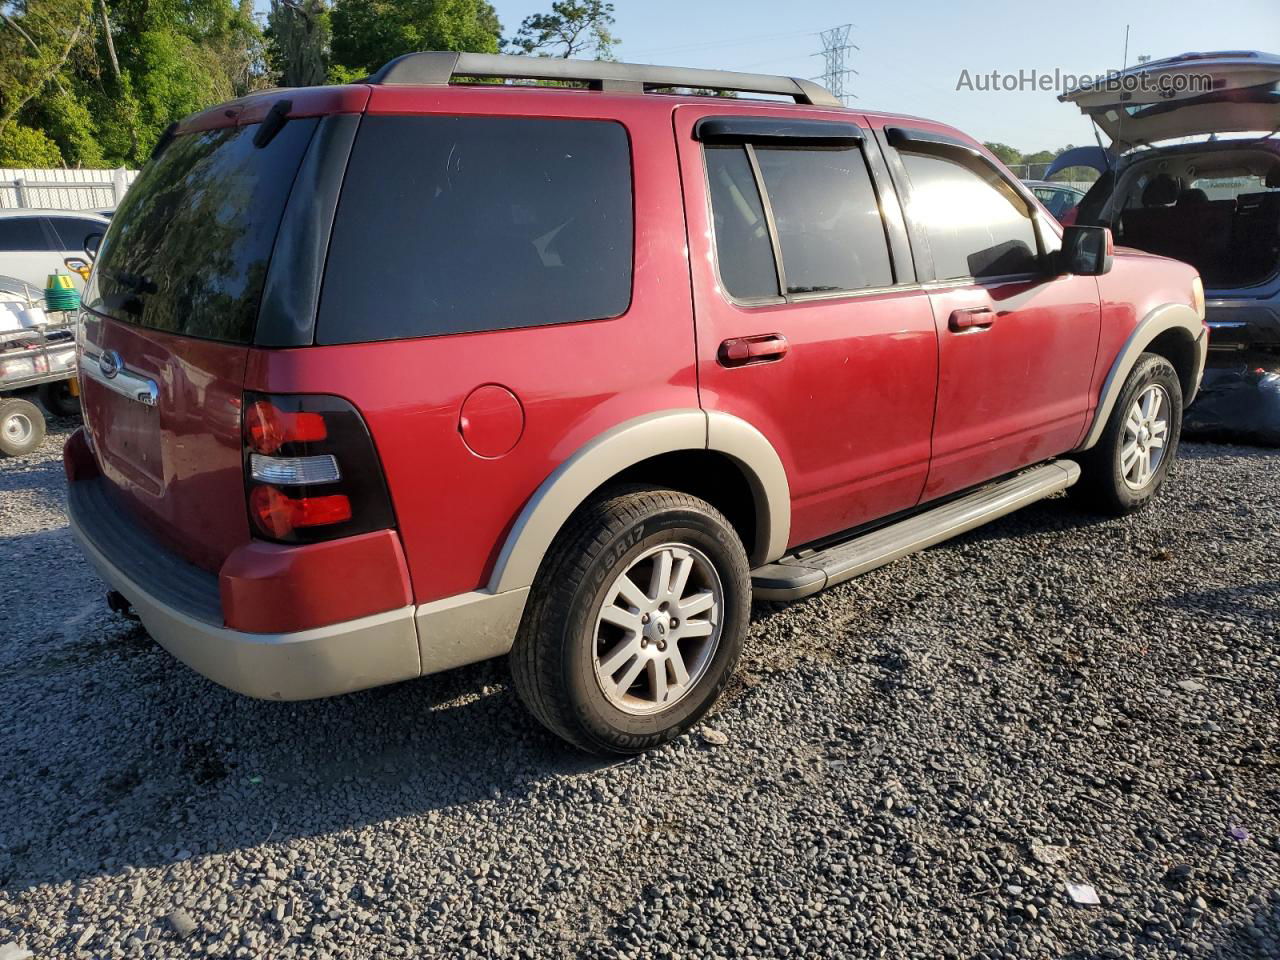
(835, 44)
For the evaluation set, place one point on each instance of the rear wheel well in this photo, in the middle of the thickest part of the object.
(706, 474)
(1179, 349)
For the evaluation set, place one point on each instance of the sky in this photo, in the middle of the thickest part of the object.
(913, 53)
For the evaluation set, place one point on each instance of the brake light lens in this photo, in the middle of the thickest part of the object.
(311, 470)
(268, 428)
(281, 515)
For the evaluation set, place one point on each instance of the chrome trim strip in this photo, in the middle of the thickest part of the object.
(137, 388)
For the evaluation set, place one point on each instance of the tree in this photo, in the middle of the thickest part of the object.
(368, 33)
(1005, 153)
(298, 39)
(572, 27)
(36, 38)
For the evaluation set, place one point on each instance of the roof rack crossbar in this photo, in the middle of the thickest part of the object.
(438, 68)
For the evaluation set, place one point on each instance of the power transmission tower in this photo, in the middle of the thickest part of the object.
(835, 45)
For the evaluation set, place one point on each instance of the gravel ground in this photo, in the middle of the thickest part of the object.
(915, 764)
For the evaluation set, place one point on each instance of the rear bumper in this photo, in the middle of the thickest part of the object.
(179, 605)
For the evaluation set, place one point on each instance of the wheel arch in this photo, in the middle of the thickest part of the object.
(1173, 330)
(733, 461)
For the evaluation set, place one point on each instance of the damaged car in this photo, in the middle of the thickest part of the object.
(1192, 172)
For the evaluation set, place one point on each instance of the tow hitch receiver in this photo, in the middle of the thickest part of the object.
(118, 603)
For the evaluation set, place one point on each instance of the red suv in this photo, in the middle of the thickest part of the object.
(387, 378)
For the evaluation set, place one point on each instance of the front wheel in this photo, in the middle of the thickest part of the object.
(1132, 458)
(635, 622)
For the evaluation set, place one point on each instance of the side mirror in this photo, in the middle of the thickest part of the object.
(91, 244)
(1086, 251)
(79, 265)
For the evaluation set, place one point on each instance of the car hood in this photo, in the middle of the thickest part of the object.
(1193, 94)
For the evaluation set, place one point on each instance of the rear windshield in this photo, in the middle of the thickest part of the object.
(459, 224)
(187, 251)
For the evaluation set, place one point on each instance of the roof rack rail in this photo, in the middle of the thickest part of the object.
(438, 68)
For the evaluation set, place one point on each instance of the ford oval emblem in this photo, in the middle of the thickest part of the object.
(110, 363)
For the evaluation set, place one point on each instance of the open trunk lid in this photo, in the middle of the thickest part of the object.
(169, 320)
(1193, 94)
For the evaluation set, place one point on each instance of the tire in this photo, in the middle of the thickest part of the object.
(1112, 481)
(580, 627)
(21, 427)
(57, 399)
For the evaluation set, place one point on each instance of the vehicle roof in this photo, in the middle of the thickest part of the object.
(11, 212)
(354, 98)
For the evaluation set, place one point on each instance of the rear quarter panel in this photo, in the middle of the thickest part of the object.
(574, 381)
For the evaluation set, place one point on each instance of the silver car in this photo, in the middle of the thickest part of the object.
(34, 243)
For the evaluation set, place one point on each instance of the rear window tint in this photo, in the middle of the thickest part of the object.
(743, 248)
(187, 251)
(71, 232)
(828, 218)
(22, 233)
(459, 224)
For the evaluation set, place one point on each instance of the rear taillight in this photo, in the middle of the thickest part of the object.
(311, 470)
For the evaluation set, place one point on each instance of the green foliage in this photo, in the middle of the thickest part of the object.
(26, 147)
(36, 39)
(572, 27)
(298, 41)
(1005, 153)
(368, 33)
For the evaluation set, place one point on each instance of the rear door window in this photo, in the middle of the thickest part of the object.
(188, 249)
(977, 225)
(825, 213)
(22, 233)
(459, 224)
(71, 231)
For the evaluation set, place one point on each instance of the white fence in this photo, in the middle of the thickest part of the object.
(64, 189)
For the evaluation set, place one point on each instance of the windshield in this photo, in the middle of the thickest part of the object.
(187, 250)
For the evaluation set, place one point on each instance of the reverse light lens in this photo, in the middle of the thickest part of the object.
(280, 514)
(294, 471)
(268, 428)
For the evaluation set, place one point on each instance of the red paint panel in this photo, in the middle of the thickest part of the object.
(848, 404)
(307, 102)
(1016, 391)
(575, 381)
(272, 588)
(491, 421)
(178, 464)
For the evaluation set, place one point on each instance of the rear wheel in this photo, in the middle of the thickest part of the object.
(1132, 458)
(21, 427)
(635, 622)
(58, 399)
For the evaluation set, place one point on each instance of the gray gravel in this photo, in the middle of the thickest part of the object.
(914, 764)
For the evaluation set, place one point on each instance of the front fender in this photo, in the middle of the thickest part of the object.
(1170, 316)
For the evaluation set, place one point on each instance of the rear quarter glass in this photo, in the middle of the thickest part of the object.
(460, 224)
(187, 252)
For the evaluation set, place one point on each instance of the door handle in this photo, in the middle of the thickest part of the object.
(973, 318)
(740, 351)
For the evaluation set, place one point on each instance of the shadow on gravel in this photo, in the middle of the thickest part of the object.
(116, 755)
(1246, 601)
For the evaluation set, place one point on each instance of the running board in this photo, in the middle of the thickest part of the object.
(797, 576)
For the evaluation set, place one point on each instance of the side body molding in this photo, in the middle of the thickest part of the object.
(481, 624)
(1170, 316)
